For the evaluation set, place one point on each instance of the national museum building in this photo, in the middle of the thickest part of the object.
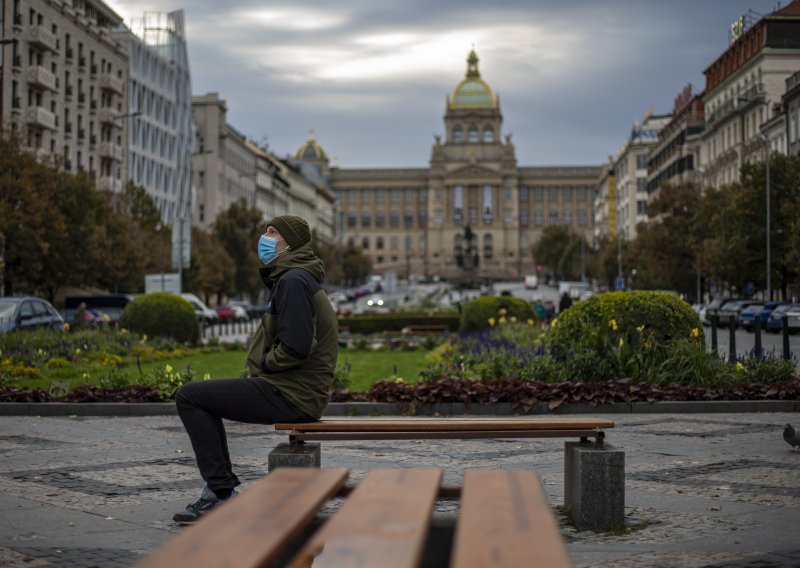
(412, 220)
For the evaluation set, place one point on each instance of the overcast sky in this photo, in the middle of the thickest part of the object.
(371, 76)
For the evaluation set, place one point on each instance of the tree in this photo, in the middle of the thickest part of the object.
(355, 265)
(331, 256)
(212, 270)
(238, 230)
(559, 250)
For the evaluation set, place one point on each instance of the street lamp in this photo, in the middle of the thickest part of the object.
(769, 259)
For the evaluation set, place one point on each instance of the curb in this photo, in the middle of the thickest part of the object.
(117, 409)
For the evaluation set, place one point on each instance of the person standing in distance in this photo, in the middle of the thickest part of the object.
(290, 362)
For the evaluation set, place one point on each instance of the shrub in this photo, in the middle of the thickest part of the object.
(162, 315)
(660, 317)
(484, 312)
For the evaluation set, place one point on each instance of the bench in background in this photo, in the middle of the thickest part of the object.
(594, 474)
(504, 521)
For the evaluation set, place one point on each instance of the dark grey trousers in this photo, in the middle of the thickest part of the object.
(202, 406)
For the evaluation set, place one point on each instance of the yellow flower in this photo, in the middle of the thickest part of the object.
(553, 323)
(106, 318)
(695, 332)
(502, 311)
(66, 326)
(530, 321)
(739, 366)
(640, 329)
(621, 342)
(513, 319)
(77, 350)
(399, 380)
(207, 377)
(613, 324)
(502, 320)
(123, 331)
(491, 321)
(168, 368)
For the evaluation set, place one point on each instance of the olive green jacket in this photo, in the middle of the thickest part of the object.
(297, 342)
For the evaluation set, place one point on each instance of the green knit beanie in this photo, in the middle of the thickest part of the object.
(293, 229)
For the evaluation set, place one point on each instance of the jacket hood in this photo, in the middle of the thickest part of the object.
(303, 257)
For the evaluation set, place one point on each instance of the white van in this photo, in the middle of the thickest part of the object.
(204, 314)
(574, 289)
(531, 281)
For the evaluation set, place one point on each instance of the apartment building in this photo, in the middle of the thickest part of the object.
(64, 80)
(791, 112)
(743, 90)
(674, 157)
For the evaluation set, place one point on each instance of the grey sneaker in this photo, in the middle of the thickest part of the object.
(196, 510)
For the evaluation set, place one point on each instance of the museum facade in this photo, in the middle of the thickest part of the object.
(413, 221)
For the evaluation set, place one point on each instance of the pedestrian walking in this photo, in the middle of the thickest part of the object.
(290, 362)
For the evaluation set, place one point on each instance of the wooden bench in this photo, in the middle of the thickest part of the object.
(504, 521)
(424, 329)
(594, 474)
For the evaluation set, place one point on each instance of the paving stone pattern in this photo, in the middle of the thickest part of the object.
(717, 490)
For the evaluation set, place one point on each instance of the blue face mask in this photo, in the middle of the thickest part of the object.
(268, 249)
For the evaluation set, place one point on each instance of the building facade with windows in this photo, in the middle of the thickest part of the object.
(63, 81)
(744, 87)
(791, 109)
(412, 220)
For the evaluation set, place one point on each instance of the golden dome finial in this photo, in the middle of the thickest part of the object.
(472, 64)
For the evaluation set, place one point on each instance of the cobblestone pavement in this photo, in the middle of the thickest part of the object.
(718, 490)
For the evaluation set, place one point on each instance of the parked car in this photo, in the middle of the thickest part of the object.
(204, 314)
(339, 297)
(793, 317)
(775, 319)
(251, 310)
(27, 312)
(729, 312)
(225, 313)
(714, 306)
(757, 314)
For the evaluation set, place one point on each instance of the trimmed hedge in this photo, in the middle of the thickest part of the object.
(376, 323)
(162, 315)
(476, 313)
(664, 317)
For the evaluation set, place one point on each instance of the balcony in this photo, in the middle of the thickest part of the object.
(109, 184)
(106, 116)
(41, 77)
(39, 117)
(39, 36)
(111, 84)
(111, 151)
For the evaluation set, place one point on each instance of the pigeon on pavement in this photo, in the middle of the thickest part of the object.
(791, 436)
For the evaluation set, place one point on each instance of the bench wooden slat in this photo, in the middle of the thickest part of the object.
(383, 523)
(252, 528)
(506, 521)
(450, 424)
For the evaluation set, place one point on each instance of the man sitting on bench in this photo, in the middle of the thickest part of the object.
(290, 363)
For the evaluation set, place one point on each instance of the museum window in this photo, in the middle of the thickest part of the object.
(365, 243)
(409, 195)
(380, 195)
(487, 246)
(567, 194)
(366, 195)
(538, 194)
(379, 243)
(538, 217)
(422, 244)
(395, 195)
(568, 216)
(473, 215)
(523, 246)
(473, 134)
(408, 219)
(508, 216)
(488, 213)
(583, 193)
(581, 217)
(393, 243)
(409, 243)
(552, 194)
(437, 217)
(351, 220)
(458, 204)
(523, 217)
(488, 134)
(524, 194)
(423, 195)
(552, 217)
(394, 219)
(366, 219)
(380, 219)
(423, 219)
(458, 134)
(351, 196)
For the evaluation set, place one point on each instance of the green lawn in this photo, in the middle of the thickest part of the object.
(366, 367)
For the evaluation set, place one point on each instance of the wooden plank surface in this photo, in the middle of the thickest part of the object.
(384, 523)
(506, 521)
(415, 424)
(252, 528)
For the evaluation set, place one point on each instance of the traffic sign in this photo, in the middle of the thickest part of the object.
(619, 283)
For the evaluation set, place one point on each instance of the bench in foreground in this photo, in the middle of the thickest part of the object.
(504, 521)
(594, 474)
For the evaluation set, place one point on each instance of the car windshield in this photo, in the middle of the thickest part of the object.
(7, 309)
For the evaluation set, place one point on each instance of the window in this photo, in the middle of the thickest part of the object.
(351, 196)
(423, 219)
(523, 217)
(552, 194)
(487, 246)
(488, 134)
(366, 195)
(552, 217)
(380, 219)
(395, 195)
(393, 243)
(458, 134)
(351, 241)
(538, 217)
(408, 219)
(351, 220)
(538, 194)
(394, 219)
(582, 193)
(409, 195)
(458, 204)
(458, 244)
(365, 243)
(379, 243)
(641, 207)
(524, 194)
(567, 194)
(641, 161)
(422, 244)
(581, 217)
(409, 243)
(473, 215)
(366, 219)
(380, 195)
(473, 134)
(641, 185)
(488, 213)
(508, 216)
(568, 216)
(523, 246)
(437, 217)
(423, 195)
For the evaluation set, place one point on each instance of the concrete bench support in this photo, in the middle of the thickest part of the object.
(300, 455)
(594, 486)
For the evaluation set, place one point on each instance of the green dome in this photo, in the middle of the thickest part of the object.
(311, 151)
(472, 92)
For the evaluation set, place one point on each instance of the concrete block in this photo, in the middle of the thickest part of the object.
(594, 486)
(301, 455)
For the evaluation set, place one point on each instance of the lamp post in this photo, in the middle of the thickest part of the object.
(769, 258)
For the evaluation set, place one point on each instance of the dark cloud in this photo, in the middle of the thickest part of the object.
(372, 77)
